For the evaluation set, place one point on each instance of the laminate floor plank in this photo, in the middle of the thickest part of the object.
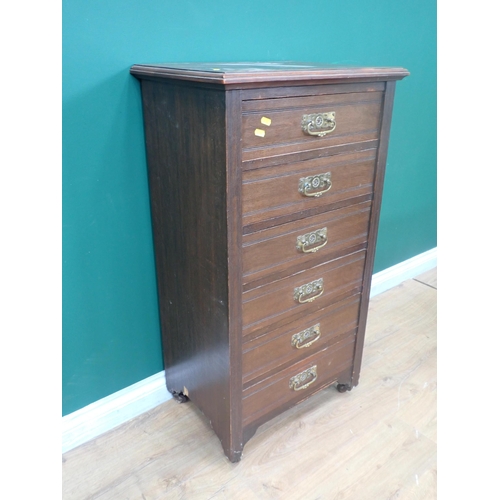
(377, 441)
(429, 277)
(138, 450)
(388, 454)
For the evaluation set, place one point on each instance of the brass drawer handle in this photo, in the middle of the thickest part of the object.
(297, 380)
(303, 293)
(308, 239)
(306, 335)
(319, 124)
(313, 182)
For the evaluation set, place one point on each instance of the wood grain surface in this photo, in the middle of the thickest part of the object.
(216, 178)
(188, 176)
(272, 192)
(274, 393)
(251, 74)
(273, 251)
(269, 352)
(355, 114)
(274, 303)
(376, 442)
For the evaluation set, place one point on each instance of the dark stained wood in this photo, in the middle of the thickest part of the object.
(304, 103)
(275, 154)
(234, 444)
(274, 392)
(283, 219)
(267, 74)
(226, 214)
(356, 115)
(274, 350)
(187, 176)
(285, 155)
(373, 230)
(267, 196)
(273, 252)
(274, 303)
(280, 92)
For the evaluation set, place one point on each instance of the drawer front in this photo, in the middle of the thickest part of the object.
(298, 381)
(278, 251)
(305, 292)
(286, 191)
(294, 124)
(288, 344)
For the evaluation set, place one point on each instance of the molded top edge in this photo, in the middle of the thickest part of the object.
(260, 72)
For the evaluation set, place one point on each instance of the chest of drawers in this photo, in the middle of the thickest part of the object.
(265, 188)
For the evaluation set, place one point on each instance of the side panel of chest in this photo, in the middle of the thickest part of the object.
(188, 152)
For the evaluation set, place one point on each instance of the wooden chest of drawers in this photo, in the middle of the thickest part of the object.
(265, 187)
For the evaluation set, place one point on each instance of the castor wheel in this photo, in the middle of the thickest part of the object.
(343, 387)
(180, 397)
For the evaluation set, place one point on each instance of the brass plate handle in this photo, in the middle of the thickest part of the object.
(308, 186)
(297, 381)
(303, 338)
(306, 241)
(309, 291)
(319, 124)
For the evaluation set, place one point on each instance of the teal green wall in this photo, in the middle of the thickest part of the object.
(111, 336)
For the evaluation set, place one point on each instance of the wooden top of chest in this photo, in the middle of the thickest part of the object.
(251, 74)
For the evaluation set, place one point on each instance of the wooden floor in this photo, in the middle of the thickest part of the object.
(376, 442)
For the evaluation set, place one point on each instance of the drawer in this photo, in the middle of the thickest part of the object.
(270, 352)
(298, 381)
(298, 189)
(272, 127)
(287, 248)
(275, 304)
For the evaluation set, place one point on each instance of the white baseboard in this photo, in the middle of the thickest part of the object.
(405, 270)
(111, 411)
